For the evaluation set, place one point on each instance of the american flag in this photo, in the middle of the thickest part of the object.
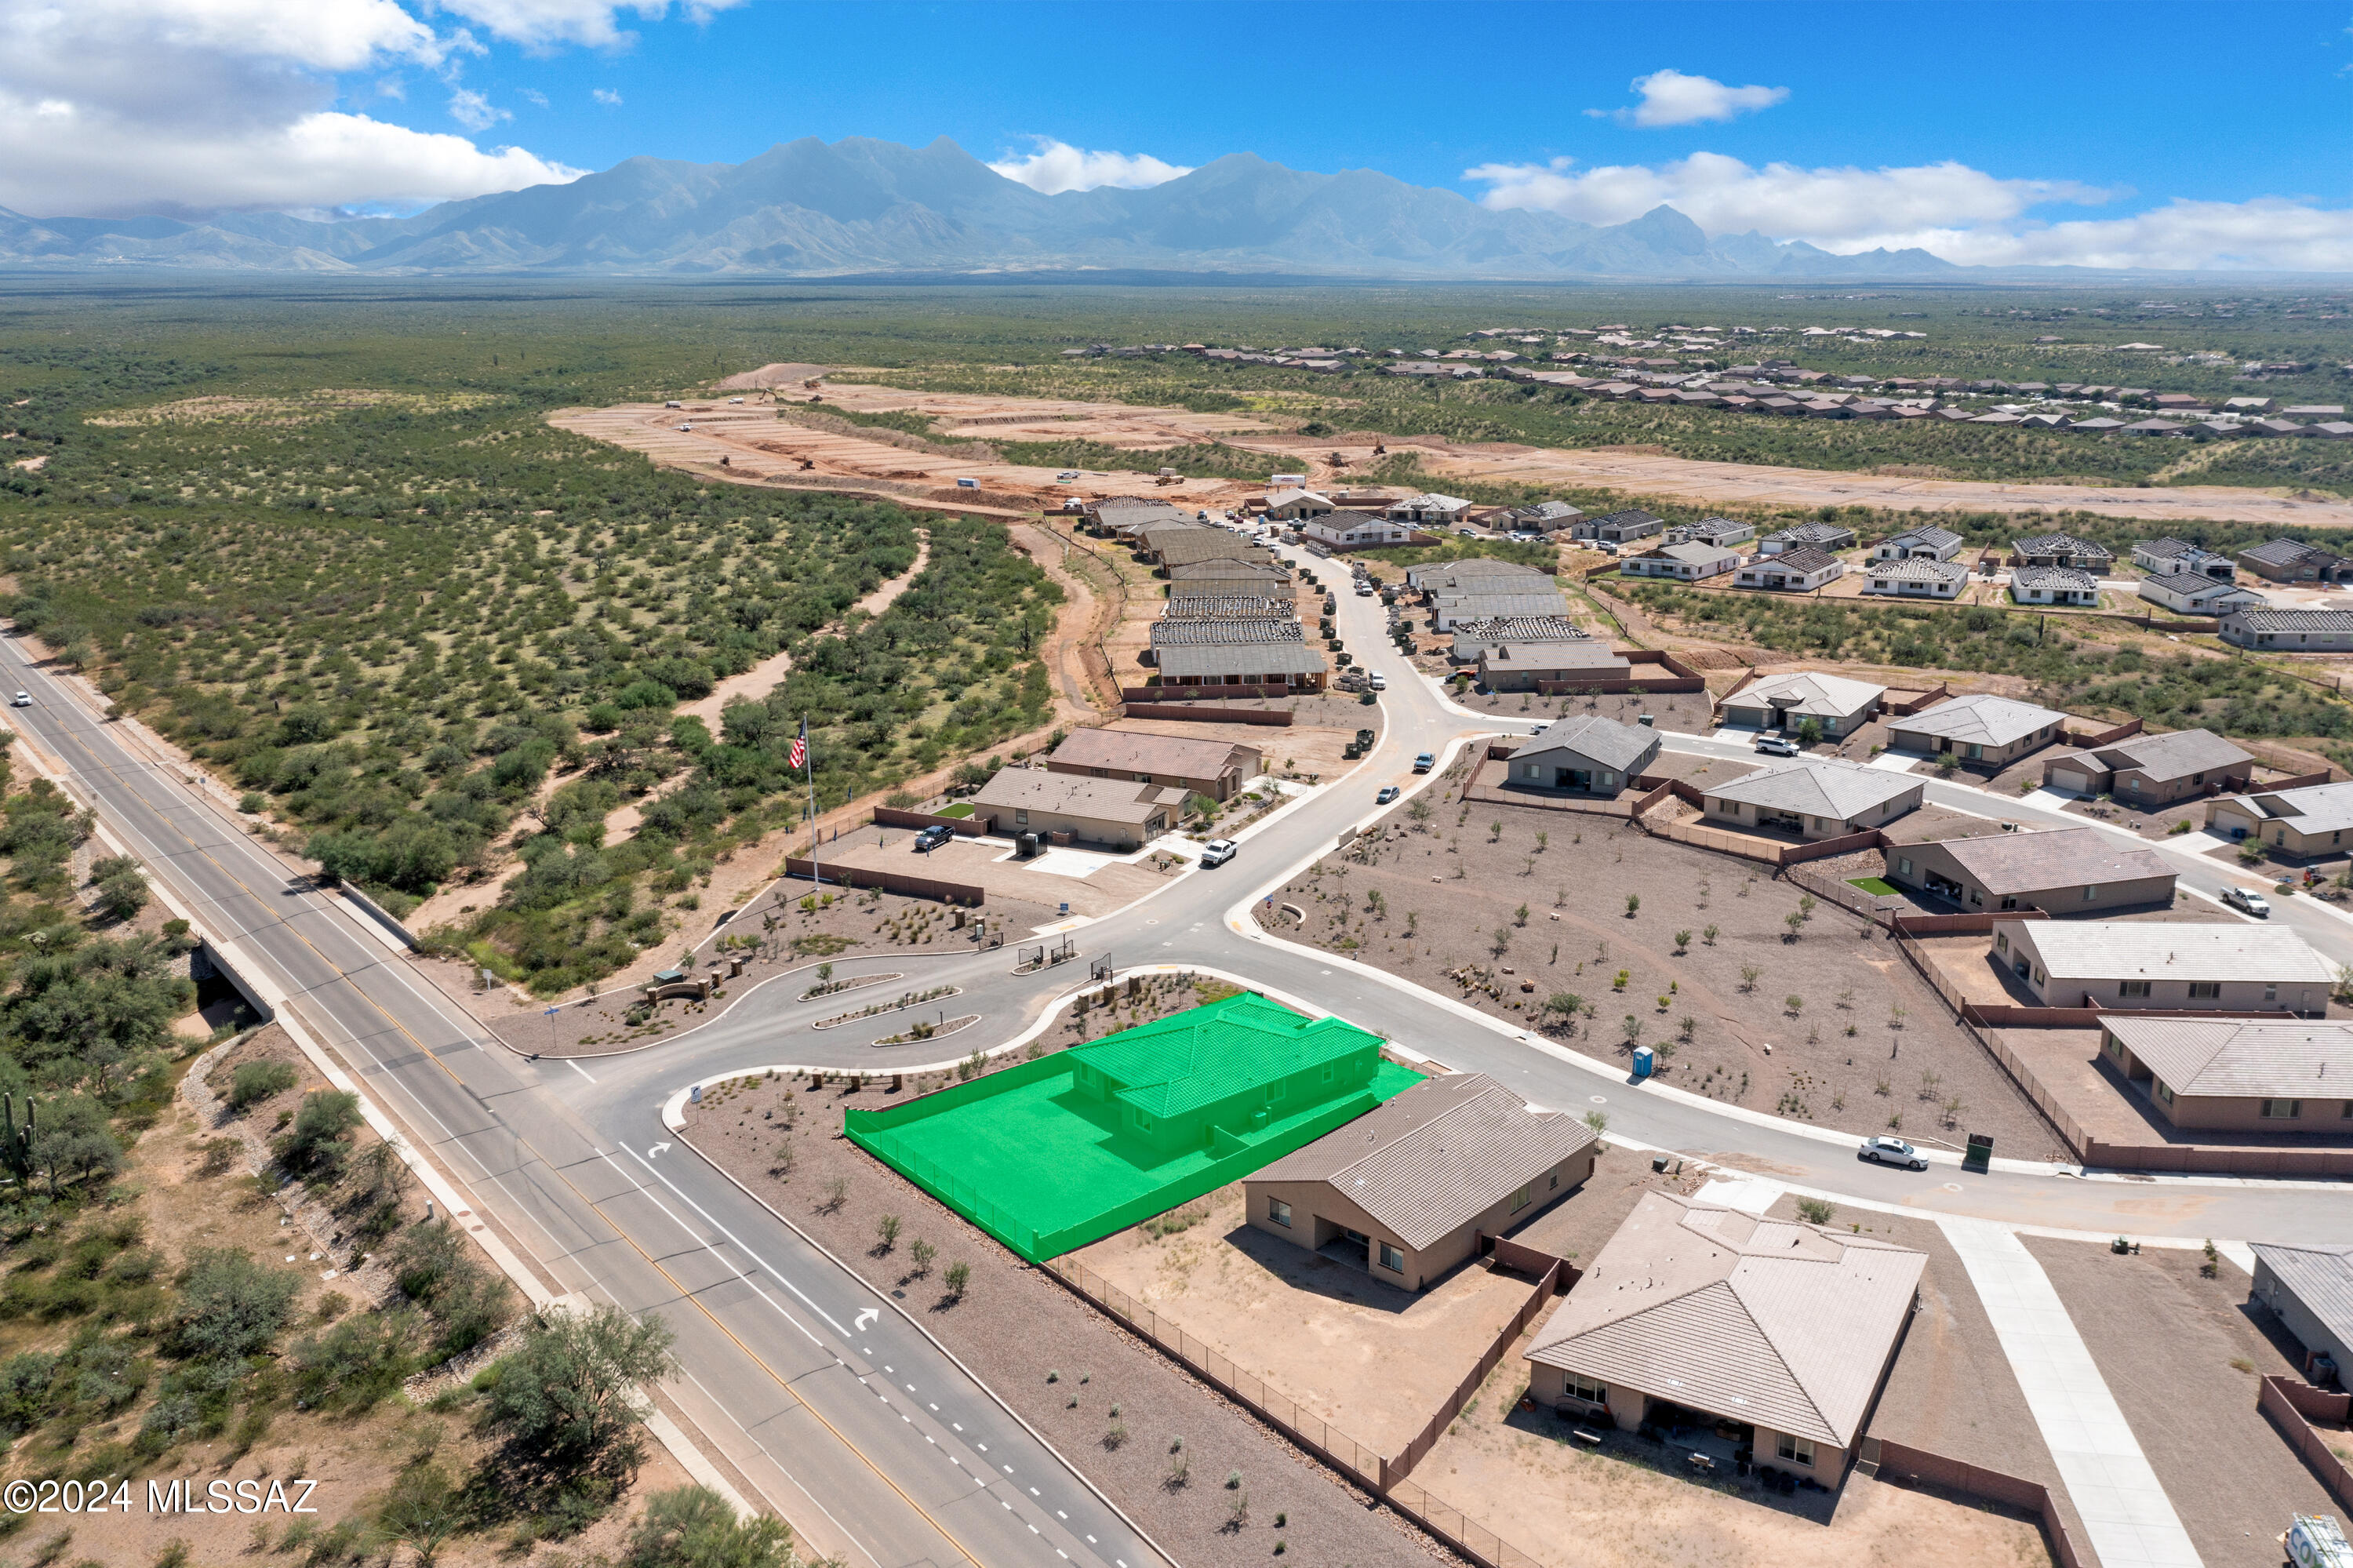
(799, 756)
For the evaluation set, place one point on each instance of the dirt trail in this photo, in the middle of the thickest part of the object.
(1087, 614)
(769, 673)
(768, 375)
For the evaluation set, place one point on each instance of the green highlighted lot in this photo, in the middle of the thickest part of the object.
(1062, 1152)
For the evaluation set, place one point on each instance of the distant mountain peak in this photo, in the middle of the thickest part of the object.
(808, 207)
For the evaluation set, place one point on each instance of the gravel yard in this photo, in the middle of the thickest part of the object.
(1016, 1323)
(1508, 907)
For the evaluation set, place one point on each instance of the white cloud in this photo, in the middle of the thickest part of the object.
(606, 96)
(535, 96)
(1671, 98)
(1832, 207)
(474, 111)
(113, 107)
(1950, 209)
(544, 24)
(1054, 166)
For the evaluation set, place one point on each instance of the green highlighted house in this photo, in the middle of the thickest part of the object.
(1063, 1150)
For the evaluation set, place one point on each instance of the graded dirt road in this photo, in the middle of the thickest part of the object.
(762, 448)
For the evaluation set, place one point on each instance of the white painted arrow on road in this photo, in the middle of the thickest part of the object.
(657, 1148)
(869, 1315)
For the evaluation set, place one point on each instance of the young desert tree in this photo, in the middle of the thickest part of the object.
(693, 1527)
(564, 1395)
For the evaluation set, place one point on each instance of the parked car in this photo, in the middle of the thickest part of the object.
(1424, 763)
(1377, 680)
(1389, 793)
(2253, 904)
(21, 699)
(1066, 474)
(1216, 852)
(1776, 746)
(1891, 1151)
(932, 837)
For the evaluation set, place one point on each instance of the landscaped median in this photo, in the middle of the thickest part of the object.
(1063, 1150)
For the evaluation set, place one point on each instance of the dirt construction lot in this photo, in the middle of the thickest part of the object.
(2231, 1478)
(1829, 1025)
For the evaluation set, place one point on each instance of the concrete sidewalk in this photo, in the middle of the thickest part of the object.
(2123, 1508)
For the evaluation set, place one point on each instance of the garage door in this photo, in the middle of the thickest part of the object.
(2078, 783)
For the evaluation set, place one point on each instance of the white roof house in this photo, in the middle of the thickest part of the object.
(1817, 797)
(2231, 950)
(2195, 593)
(1432, 508)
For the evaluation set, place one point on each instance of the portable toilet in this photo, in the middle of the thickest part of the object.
(967, 484)
(1641, 1061)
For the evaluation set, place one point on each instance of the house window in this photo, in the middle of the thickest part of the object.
(1327, 1072)
(2132, 987)
(1903, 868)
(1279, 1211)
(2001, 941)
(1584, 1388)
(1391, 1258)
(2205, 990)
(1022, 816)
(1277, 1089)
(1519, 1200)
(1796, 1450)
(1553, 1181)
(2091, 893)
(2271, 993)
(2164, 1091)
(2282, 1110)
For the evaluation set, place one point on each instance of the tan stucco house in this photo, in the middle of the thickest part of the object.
(1105, 813)
(2230, 967)
(1407, 1189)
(2063, 870)
(1693, 1316)
(2238, 1074)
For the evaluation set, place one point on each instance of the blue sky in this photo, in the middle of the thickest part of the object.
(2141, 134)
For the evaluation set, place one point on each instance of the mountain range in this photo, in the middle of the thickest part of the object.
(864, 207)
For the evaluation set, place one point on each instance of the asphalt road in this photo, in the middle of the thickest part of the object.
(842, 1417)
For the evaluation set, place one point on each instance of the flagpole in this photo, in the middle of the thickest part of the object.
(809, 771)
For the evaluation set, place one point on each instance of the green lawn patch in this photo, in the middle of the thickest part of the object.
(960, 809)
(1872, 884)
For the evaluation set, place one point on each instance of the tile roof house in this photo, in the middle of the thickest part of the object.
(1813, 536)
(1632, 523)
(1979, 727)
(1432, 510)
(1349, 530)
(1476, 574)
(1229, 607)
(1225, 577)
(1507, 666)
(1213, 768)
(2314, 821)
(1414, 1182)
(1168, 544)
(1917, 577)
(1262, 664)
(2289, 630)
(2237, 1073)
(1179, 1080)
(1494, 601)
(2152, 770)
(2292, 561)
(1543, 517)
(2234, 966)
(1718, 531)
(1931, 544)
(1815, 797)
(2309, 1288)
(2061, 871)
(1584, 752)
(2061, 550)
(2054, 585)
(1797, 568)
(2196, 593)
(1472, 637)
(1295, 506)
(1835, 703)
(1120, 813)
(1784, 1328)
(1686, 563)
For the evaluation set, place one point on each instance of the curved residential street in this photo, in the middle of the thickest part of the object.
(818, 1394)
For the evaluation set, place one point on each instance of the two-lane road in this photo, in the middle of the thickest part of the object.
(836, 1412)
